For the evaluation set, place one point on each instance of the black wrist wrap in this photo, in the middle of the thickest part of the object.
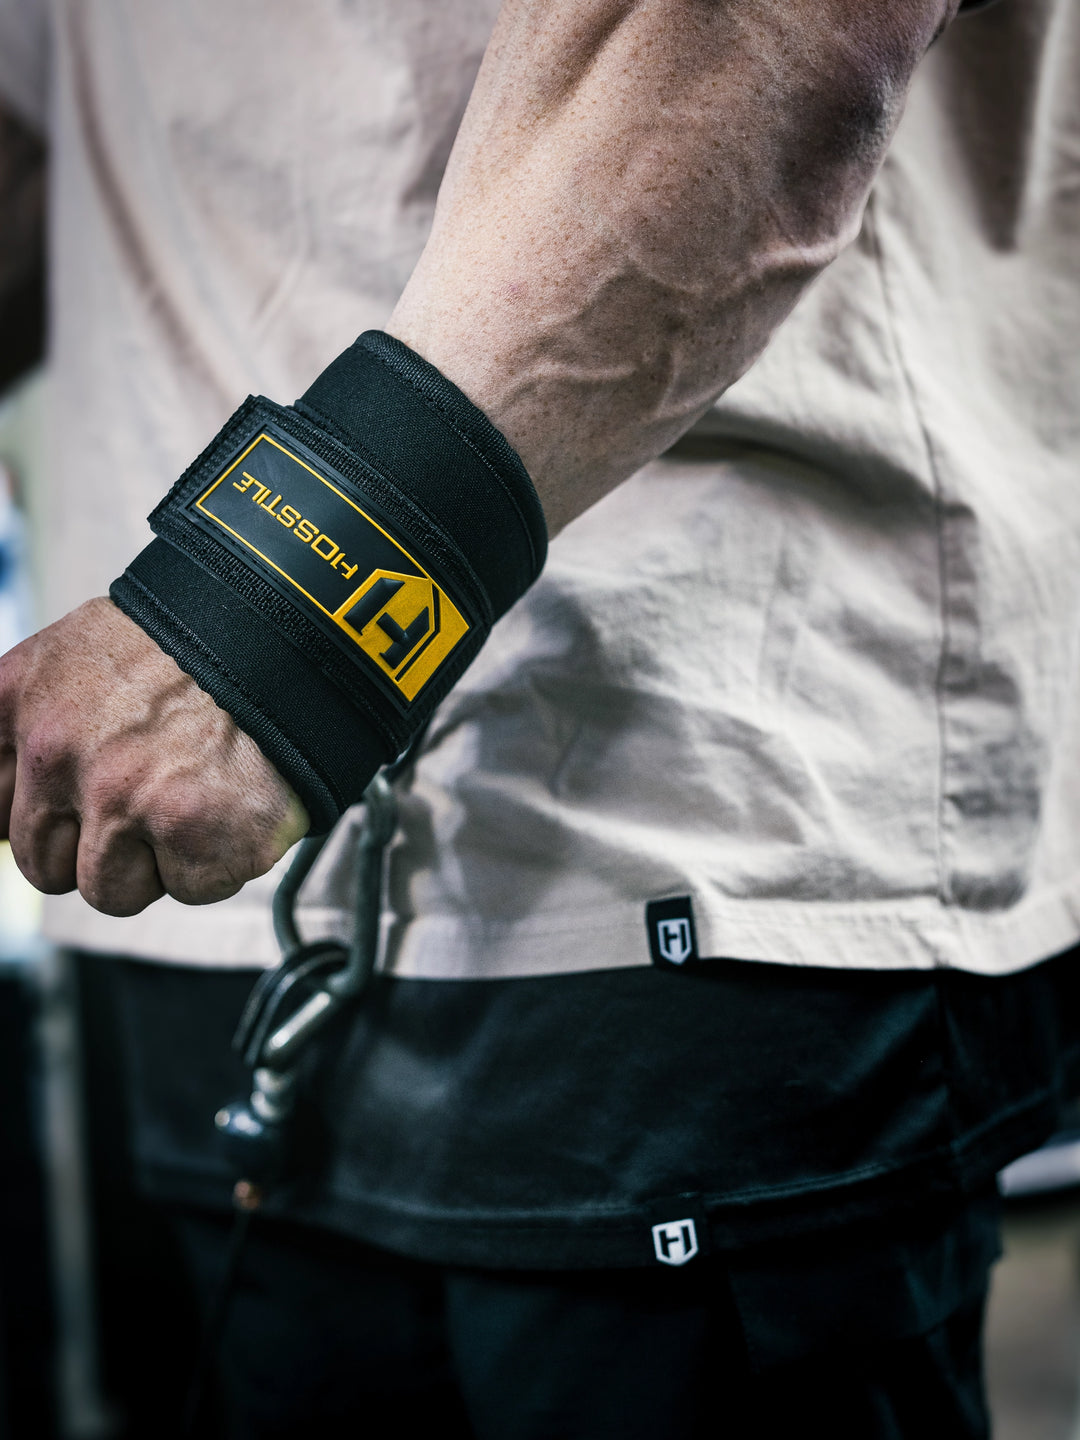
(326, 571)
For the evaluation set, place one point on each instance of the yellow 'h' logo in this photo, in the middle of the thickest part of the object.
(405, 624)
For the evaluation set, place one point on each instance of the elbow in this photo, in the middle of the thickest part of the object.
(879, 43)
(847, 104)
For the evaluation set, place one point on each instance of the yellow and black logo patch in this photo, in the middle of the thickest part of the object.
(312, 536)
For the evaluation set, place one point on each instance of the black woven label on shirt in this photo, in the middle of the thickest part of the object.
(313, 542)
(670, 927)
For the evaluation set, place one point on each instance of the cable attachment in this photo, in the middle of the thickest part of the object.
(292, 1004)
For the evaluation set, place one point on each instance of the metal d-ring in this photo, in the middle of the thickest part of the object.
(281, 1046)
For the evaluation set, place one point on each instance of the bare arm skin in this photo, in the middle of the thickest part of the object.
(638, 195)
(640, 191)
(22, 248)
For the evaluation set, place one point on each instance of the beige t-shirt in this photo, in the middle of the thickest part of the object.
(816, 672)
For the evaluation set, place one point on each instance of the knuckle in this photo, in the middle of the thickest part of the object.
(102, 794)
(208, 844)
(100, 890)
(30, 853)
(202, 879)
(50, 884)
(197, 887)
(25, 862)
(116, 873)
(119, 901)
(184, 827)
(200, 853)
(44, 751)
(214, 874)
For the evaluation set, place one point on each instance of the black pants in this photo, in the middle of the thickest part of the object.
(328, 1337)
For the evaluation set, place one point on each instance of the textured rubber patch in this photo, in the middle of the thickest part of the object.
(321, 550)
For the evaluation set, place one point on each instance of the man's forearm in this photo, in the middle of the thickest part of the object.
(638, 196)
(22, 269)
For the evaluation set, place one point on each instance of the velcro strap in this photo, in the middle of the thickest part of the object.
(327, 571)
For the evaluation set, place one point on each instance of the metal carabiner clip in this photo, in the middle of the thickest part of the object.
(292, 1004)
(287, 1008)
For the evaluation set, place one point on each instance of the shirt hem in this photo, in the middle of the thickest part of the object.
(591, 1237)
(920, 934)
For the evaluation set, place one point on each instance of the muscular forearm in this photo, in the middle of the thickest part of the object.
(639, 194)
(22, 209)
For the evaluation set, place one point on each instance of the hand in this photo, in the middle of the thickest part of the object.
(120, 776)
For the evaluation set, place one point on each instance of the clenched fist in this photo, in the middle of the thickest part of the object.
(120, 776)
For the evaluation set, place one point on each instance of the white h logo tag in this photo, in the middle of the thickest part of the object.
(673, 938)
(675, 1242)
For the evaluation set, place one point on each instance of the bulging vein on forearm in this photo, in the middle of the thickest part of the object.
(639, 195)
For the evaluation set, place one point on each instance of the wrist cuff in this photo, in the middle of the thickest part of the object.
(327, 571)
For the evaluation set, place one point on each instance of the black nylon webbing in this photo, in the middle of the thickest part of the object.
(301, 638)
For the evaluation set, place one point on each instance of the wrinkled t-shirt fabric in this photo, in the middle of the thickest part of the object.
(811, 673)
